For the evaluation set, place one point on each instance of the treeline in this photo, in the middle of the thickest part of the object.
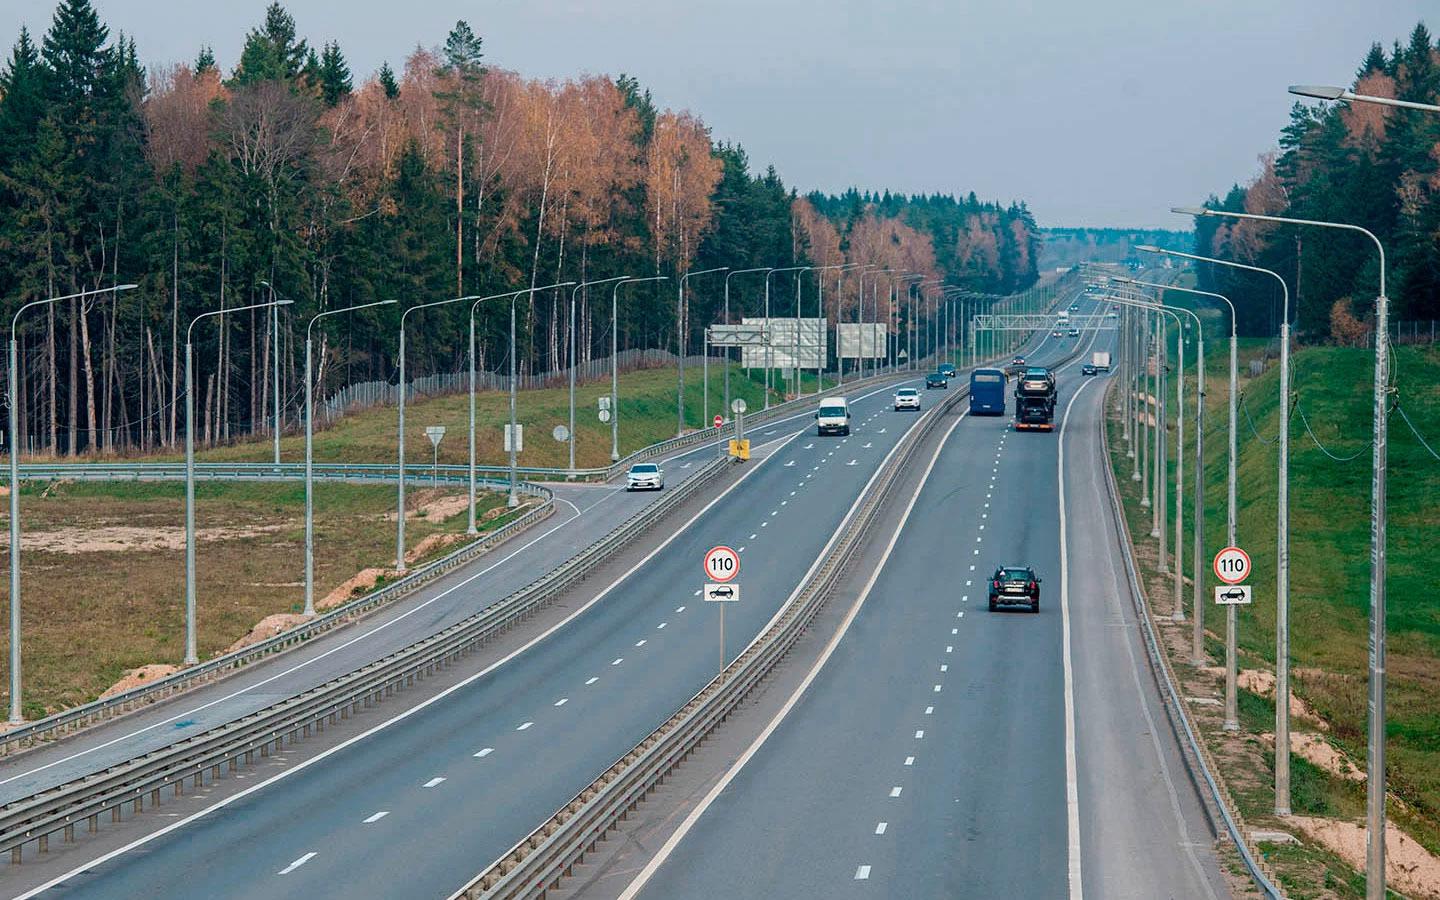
(1063, 247)
(1362, 164)
(290, 178)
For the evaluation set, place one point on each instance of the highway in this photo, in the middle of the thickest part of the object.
(457, 782)
(947, 751)
(458, 779)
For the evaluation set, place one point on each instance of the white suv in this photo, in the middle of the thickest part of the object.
(645, 477)
(907, 398)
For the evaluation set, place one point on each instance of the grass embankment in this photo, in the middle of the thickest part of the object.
(1329, 591)
(647, 415)
(103, 568)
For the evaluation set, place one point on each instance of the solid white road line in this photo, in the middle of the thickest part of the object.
(297, 864)
(434, 781)
(1072, 778)
(633, 889)
(371, 820)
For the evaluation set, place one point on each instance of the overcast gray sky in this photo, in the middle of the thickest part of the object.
(1095, 112)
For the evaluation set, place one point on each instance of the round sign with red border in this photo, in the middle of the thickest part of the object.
(721, 563)
(1232, 565)
(719, 420)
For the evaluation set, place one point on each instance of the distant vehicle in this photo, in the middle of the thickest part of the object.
(1015, 586)
(1035, 400)
(722, 590)
(645, 477)
(1074, 307)
(907, 398)
(1087, 369)
(1057, 333)
(936, 380)
(1074, 332)
(947, 370)
(1018, 361)
(987, 392)
(1100, 359)
(833, 417)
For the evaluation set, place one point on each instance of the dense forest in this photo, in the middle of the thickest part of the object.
(1064, 247)
(1361, 164)
(287, 177)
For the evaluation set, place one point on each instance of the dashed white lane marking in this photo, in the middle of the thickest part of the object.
(977, 552)
(661, 625)
(949, 648)
(679, 609)
(964, 598)
(982, 528)
(434, 781)
(484, 752)
(524, 726)
(954, 631)
(792, 493)
(937, 689)
(617, 660)
(742, 549)
(969, 582)
(764, 524)
(591, 680)
(562, 701)
(909, 760)
(972, 568)
(697, 592)
(881, 826)
(752, 537)
(311, 855)
(375, 817)
(929, 710)
(784, 502)
(919, 734)
(944, 668)
(640, 643)
(862, 873)
(977, 540)
(895, 791)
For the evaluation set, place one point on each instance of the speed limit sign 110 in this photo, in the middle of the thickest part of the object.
(1232, 565)
(721, 563)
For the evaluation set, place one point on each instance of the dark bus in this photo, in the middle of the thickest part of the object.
(987, 392)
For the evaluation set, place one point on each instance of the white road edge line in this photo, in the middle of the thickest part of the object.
(653, 866)
(1072, 778)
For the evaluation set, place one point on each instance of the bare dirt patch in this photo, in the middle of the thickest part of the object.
(123, 538)
(138, 677)
(268, 627)
(1315, 749)
(432, 543)
(362, 581)
(1409, 868)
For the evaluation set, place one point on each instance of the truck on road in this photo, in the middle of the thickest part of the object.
(1035, 400)
(1100, 359)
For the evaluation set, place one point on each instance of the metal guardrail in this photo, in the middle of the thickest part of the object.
(539, 861)
(78, 717)
(1160, 665)
(59, 809)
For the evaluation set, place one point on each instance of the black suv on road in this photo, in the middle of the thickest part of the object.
(936, 380)
(1015, 586)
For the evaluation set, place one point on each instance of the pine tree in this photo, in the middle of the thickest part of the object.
(22, 99)
(335, 81)
(388, 82)
(272, 52)
(205, 60)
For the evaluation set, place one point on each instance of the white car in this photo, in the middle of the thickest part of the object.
(645, 477)
(907, 398)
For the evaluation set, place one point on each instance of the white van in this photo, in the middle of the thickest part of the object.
(833, 417)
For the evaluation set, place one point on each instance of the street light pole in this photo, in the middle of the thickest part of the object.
(681, 344)
(820, 316)
(728, 275)
(769, 356)
(573, 293)
(17, 714)
(615, 360)
(191, 654)
(400, 432)
(1375, 757)
(1282, 534)
(275, 365)
(310, 451)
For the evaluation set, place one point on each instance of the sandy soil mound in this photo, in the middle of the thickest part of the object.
(1409, 868)
(432, 543)
(1320, 752)
(137, 677)
(432, 505)
(362, 582)
(267, 627)
(1262, 682)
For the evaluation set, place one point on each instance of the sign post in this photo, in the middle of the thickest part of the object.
(722, 565)
(435, 433)
(1232, 566)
